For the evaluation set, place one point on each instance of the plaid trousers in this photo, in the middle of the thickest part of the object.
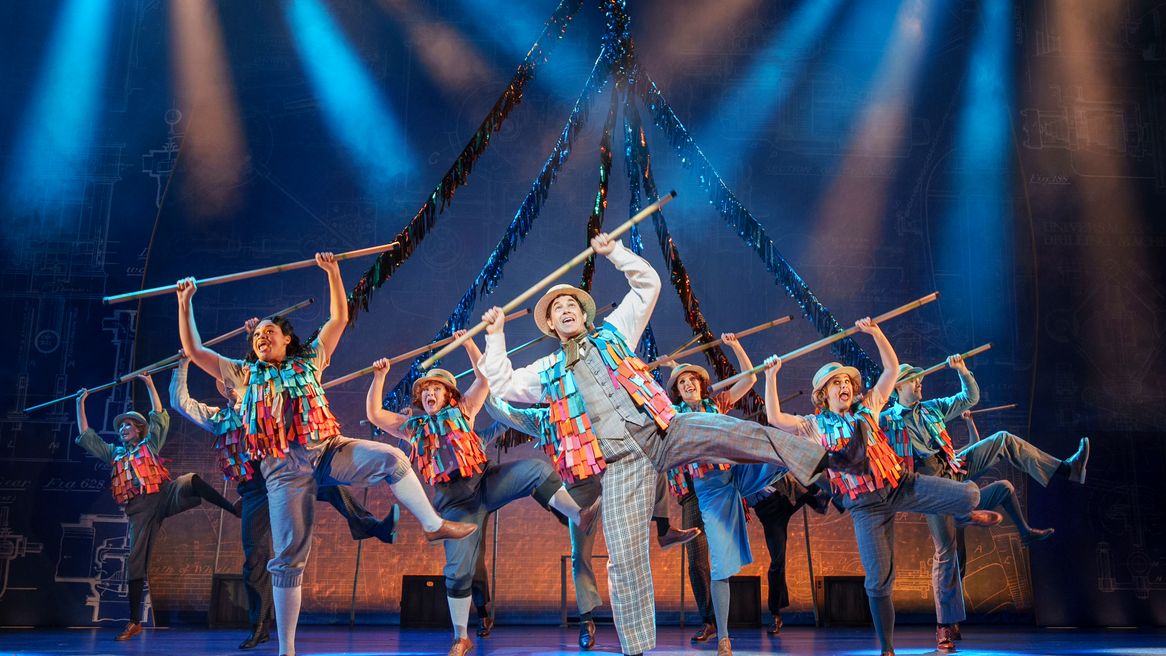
(629, 496)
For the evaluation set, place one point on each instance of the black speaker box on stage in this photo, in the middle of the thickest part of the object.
(745, 601)
(842, 601)
(228, 603)
(423, 603)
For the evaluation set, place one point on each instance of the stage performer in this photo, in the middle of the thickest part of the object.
(918, 431)
(716, 497)
(847, 423)
(285, 413)
(241, 465)
(143, 485)
(605, 403)
(451, 457)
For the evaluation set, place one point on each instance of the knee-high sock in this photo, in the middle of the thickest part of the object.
(882, 611)
(208, 493)
(137, 588)
(411, 495)
(563, 503)
(287, 616)
(721, 606)
(459, 613)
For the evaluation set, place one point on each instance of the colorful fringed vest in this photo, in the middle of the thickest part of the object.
(573, 446)
(137, 471)
(677, 482)
(443, 443)
(296, 379)
(236, 455)
(936, 427)
(885, 466)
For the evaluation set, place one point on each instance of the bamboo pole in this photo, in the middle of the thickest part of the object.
(246, 275)
(522, 347)
(717, 342)
(409, 355)
(936, 367)
(551, 277)
(166, 363)
(826, 341)
(993, 409)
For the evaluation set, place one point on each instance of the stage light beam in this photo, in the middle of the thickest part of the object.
(354, 110)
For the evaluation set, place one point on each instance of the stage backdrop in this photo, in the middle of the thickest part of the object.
(1010, 155)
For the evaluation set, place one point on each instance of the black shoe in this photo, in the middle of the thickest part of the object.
(485, 626)
(1036, 535)
(705, 632)
(386, 530)
(258, 636)
(587, 634)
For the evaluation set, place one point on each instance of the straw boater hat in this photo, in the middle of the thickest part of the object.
(544, 304)
(135, 417)
(688, 369)
(440, 375)
(906, 370)
(831, 369)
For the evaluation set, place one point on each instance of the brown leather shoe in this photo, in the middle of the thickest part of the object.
(677, 536)
(775, 628)
(704, 633)
(588, 515)
(587, 635)
(1077, 462)
(485, 626)
(132, 630)
(983, 518)
(724, 647)
(460, 647)
(1036, 535)
(944, 638)
(450, 531)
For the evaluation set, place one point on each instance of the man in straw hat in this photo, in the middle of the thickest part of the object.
(847, 423)
(142, 483)
(600, 392)
(241, 465)
(714, 496)
(918, 430)
(286, 416)
(449, 455)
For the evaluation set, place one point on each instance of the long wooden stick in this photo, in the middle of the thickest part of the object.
(691, 340)
(522, 347)
(826, 341)
(409, 355)
(936, 367)
(551, 277)
(717, 342)
(245, 275)
(993, 409)
(166, 363)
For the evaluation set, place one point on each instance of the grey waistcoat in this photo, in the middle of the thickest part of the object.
(613, 414)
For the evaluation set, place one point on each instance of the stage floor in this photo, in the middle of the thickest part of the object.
(550, 641)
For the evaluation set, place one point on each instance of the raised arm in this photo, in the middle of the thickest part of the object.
(973, 432)
(474, 397)
(386, 420)
(632, 315)
(506, 382)
(969, 394)
(773, 414)
(886, 382)
(337, 321)
(741, 387)
(197, 412)
(88, 439)
(155, 399)
(206, 359)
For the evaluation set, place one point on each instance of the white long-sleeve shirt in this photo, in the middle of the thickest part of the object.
(630, 319)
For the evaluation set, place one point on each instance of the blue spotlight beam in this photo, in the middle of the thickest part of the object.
(58, 126)
(975, 249)
(354, 110)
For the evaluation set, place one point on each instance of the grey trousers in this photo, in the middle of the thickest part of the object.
(946, 581)
(292, 484)
(473, 499)
(146, 512)
(628, 497)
